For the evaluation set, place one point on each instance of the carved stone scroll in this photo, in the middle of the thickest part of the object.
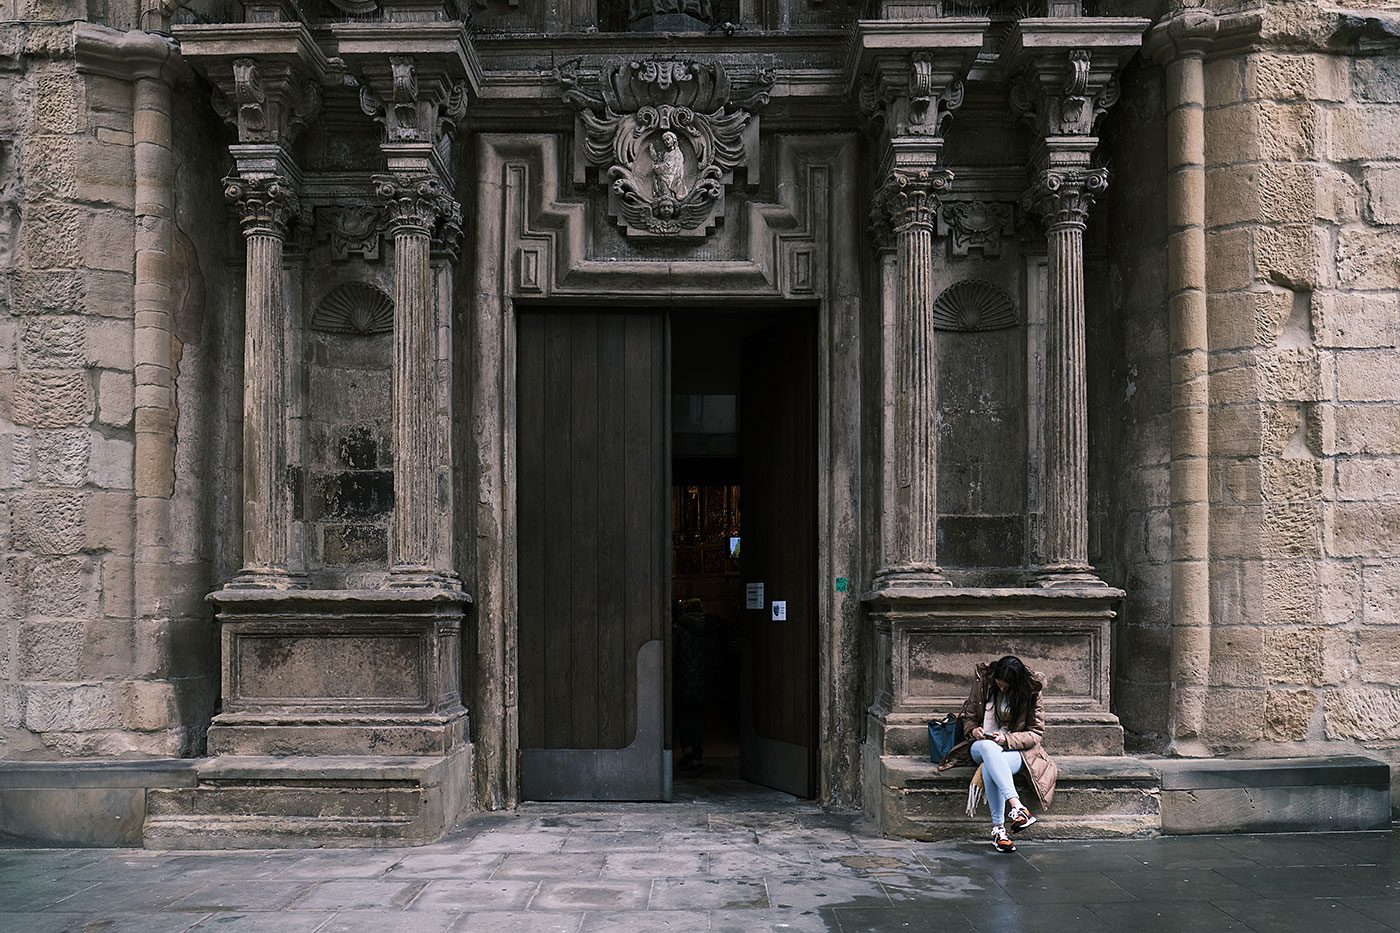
(973, 225)
(668, 135)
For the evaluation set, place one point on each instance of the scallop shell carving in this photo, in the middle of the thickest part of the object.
(354, 308)
(973, 305)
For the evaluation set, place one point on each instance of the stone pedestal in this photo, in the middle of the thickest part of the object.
(927, 643)
(340, 672)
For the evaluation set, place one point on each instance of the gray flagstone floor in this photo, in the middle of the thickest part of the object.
(723, 857)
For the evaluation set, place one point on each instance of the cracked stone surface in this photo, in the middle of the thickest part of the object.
(730, 858)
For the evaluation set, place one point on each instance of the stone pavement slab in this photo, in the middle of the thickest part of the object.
(732, 863)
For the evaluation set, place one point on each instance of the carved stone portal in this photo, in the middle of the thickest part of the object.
(670, 135)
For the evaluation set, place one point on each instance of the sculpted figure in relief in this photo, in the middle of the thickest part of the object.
(668, 168)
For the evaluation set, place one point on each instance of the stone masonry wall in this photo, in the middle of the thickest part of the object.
(1302, 183)
(81, 671)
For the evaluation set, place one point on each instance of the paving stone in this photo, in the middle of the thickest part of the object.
(282, 921)
(707, 894)
(243, 895)
(579, 865)
(380, 921)
(900, 918)
(814, 890)
(1042, 918)
(501, 894)
(125, 896)
(359, 895)
(592, 895)
(519, 921)
(792, 921)
(582, 840)
(35, 922)
(124, 922)
(464, 865)
(1303, 915)
(654, 864)
(1159, 915)
(645, 921)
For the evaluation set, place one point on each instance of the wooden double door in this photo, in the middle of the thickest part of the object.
(594, 553)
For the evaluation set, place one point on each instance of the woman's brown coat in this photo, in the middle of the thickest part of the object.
(1024, 737)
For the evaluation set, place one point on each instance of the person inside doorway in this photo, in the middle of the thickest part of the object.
(694, 646)
(1003, 724)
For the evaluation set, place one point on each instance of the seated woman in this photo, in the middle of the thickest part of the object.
(1003, 722)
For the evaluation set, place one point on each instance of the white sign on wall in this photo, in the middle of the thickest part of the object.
(753, 595)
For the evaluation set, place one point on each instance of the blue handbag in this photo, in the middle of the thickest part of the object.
(943, 735)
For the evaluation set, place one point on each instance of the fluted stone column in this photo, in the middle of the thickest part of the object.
(1063, 200)
(267, 205)
(419, 210)
(906, 208)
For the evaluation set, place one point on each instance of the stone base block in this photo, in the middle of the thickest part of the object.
(1068, 734)
(83, 803)
(1097, 797)
(1329, 794)
(340, 672)
(311, 802)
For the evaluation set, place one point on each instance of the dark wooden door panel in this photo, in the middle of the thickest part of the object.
(593, 570)
(778, 444)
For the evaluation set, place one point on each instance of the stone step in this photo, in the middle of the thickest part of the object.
(1096, 797)
(247, 802)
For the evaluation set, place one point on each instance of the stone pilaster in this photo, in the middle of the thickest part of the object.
(1063, 200)
(906, 208)
(420, 213)
(267, 205)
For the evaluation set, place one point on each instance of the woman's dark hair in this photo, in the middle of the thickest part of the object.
(1021, 687)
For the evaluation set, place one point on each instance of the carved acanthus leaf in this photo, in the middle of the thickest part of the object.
(669, 135)
(908, 200)
(266, 205)
(421, 204)
(1063, 198)
(266, 103)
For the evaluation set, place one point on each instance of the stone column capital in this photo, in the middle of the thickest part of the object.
(908, 200)
(421, 204)
(266, 205)
(1063, 198)
(417, 100)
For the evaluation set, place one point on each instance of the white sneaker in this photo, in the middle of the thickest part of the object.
(1021, 818)
(1001, 841)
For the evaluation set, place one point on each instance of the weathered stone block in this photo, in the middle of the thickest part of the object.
(117, 587)
(1232, 260)
(104, 173)
(1362, 713)
(1261, 132)
(1368, 258)
(1367, 429)
(1235, 652)
(1378, 655)
(52, 342)
(1276, 76)
(1376, 78)
(111, 464)
(50, 650)
(55, 100)
(50, 169)
(70, 708)
(1339, 594)
(116, 398)
(1382, 193)
(1224, 81)
(107, 524)
(109, 240)
(1344, 320)
(1381, 582)
(148, 705)
(1293, 656)
(59, 587)
(48, 292)
(1287, 714)
(1260, 193)
(1365, 529)
(52, 398)
(1371, 132)
(1367, 375)
(1360, 480)
(48, 522)
(52, 235)
(14, 459)
(60, 457)
(1238, 715)
(1292, 255)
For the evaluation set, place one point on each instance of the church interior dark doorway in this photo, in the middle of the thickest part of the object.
(666, 503)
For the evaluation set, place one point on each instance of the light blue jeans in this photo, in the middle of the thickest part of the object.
(998, 764)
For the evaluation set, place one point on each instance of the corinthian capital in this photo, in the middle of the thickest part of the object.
(266, 205)
(908, 200)
(420, 204)
(1063, 198)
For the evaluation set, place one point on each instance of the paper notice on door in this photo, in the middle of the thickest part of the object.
(753, 595)
(780, 610)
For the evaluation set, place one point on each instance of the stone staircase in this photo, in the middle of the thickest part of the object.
(1096, 797)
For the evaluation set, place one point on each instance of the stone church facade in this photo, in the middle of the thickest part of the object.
(1104, 316)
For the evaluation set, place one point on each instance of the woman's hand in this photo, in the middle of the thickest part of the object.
(977, 733)
(1001, 739)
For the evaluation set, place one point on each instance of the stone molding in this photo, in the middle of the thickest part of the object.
(266, 103)
(669, 135)
(412, 110)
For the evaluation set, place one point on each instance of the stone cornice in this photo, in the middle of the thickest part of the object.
(125, 56)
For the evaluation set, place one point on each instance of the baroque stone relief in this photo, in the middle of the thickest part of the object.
(356, 231)
(973, 305)
(354, 308)
(975, 225)
(668, 136)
